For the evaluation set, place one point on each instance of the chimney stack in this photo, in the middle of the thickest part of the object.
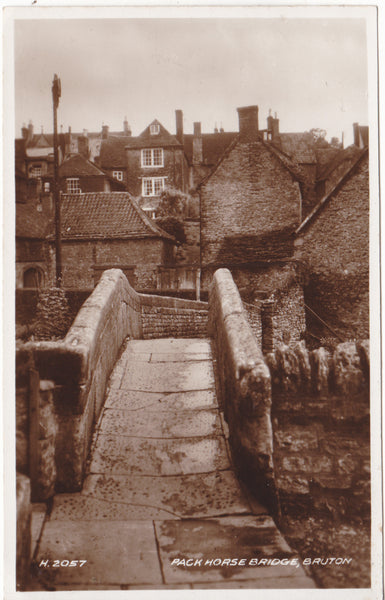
(30, 131)
(179, 125)
(126, 128)
(83, 145)
(24, 132)
(197, 144)
(357, 136)
(105, 132)
(248, 123)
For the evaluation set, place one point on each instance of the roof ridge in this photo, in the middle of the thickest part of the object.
(147, 221)
(327, 196)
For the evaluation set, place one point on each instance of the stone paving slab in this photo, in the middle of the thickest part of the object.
(80, 507)
(136, 400)
(170, 377)
(152, 424)
(111, 549)
(189, 496)
(223, 538)
(170, 345)
(122, 455)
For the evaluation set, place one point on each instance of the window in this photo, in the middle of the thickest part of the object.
(46, 187)
(36, 171)
(154, 129)
(118, 175)
(73, 185)
(152, 186)
(152, 157)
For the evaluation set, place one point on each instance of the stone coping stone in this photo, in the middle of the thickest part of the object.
(152, 424)
(170, 345)
(186, 496)
(121, 455)
(163, 402)
(174, 377)
(111, 549)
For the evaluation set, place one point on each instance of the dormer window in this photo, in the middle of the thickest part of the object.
(154, 129)
(152, 157)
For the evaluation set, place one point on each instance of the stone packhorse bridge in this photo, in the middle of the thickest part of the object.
(148, 409)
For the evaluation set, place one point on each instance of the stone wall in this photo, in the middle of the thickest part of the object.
(79, 257)
(44, 476)
(244, 388)
(321, 424)
(80, 364)
(250, 207)
(335, 248)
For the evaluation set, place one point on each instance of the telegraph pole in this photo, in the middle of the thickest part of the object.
(56, 93)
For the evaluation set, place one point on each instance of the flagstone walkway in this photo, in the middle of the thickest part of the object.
(161, 490)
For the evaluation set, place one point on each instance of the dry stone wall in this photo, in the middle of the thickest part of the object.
(321, 424)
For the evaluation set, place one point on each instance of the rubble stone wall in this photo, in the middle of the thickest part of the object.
(321, 418)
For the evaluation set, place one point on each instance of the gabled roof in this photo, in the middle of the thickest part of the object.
(30, 223)
(213, 146)
(348, 172)
(299, 146)
(148, 140)
(113, 152)
(348, 155)
(77, 165)
(106, 215)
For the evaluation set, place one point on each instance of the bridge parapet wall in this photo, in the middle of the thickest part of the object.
(80, 365)
(245, 388)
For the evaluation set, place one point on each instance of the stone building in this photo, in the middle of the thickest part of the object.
(333, 244)
(78, 175)
(107, 230)
(33, 253)
(250, 203)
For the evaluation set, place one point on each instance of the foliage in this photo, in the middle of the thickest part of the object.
(173, 203)
(53, 316)
(173, 226)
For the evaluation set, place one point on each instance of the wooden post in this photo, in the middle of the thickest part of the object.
(34, 419)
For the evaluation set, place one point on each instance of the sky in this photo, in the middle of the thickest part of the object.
(311, 72)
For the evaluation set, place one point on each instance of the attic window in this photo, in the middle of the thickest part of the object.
(118, 175)
(73, 185)
(154, 129)
(36, 171)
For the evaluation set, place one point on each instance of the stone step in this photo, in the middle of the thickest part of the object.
(121, 455)
(203, 495)
(136, 400)
(168, 377)
(152, 424)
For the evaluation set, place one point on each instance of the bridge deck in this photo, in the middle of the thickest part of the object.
(161, 487)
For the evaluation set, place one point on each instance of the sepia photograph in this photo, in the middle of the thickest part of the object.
(192, 216)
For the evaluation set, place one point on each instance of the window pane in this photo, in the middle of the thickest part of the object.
(158, 186)
(146, 158)
(158, 156)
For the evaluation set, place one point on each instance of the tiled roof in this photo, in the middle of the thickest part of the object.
(336, 158)
(147, 140)
(113, 153)
(106, 215)
(350, 168)
(213, 146)
(299, 146)
(78, 165)
(30, 223)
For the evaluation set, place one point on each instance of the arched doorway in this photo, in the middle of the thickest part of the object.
(32, 278)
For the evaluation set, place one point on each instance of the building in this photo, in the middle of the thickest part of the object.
(77, 174)
(333, 245)
(108, 230)
(33, 253)
(250, 204)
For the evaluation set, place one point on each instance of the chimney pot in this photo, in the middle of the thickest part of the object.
(248, 123)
